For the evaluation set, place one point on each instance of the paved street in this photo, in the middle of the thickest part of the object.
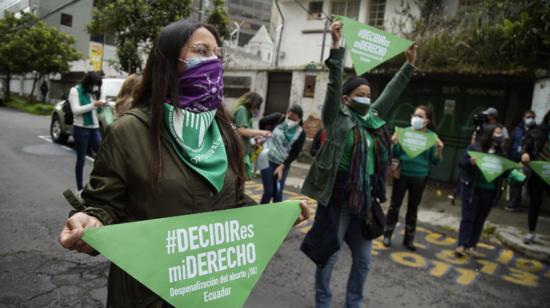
(36, 272)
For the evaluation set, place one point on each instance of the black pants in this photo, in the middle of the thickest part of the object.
(536, 187)
(474, 214)
(415, 186)
(515, 194)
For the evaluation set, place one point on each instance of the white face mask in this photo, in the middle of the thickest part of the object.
(290, 123)
(95, 88)
(417, 123)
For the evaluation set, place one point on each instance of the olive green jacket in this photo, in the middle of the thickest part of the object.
(119, 191)
(338, 121)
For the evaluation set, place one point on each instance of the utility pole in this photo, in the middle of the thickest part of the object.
(201, 8)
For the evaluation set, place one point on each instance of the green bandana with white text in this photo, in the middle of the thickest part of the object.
(197, 140)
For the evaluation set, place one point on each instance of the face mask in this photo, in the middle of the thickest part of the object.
(530, 122)
(201, 87)
(291, 124)
(95, 89)
(192, 62)
(417, 123)
(360, 104)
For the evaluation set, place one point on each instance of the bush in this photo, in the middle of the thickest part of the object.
(38, 108)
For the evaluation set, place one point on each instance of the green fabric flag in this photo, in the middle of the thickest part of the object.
(491, 165)
(542, 168)
(415, 142)
(198, 142)
(369, 46)
(210, 259)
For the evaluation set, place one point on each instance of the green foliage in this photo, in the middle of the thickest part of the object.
(20, 103)
(31, 46)
(504, 36)
(219, 19)
(136, 24)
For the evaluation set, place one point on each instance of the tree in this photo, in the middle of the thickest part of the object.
(504, 36)
(219, 19)
(31, 46)
(135, 25)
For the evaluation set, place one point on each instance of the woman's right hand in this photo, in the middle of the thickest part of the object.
(472, 161)
(98, 104)
(336, 34)
(525, 158)
(265, 133)
(71, 235)
(395, 138)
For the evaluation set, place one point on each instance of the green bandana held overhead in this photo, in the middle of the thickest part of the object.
(197, 140)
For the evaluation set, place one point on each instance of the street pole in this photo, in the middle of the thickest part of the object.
(324, 40)
(201, 7)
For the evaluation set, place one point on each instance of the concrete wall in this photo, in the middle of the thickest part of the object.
(541, 97)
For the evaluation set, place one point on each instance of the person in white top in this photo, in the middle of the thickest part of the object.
(85, 124)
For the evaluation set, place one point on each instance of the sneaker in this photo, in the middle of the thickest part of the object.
(529, 239)
(474, 253)
(512, 208)
(460, 251)
(386, 241)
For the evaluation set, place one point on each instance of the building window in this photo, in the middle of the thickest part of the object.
(309, 86)
(315, 10)
(66, 20)
(349, 8)
(236, 86)
(376, 13)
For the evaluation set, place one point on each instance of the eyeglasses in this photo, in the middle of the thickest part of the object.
(204, 51)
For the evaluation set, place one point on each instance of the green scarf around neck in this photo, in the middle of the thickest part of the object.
(197, 141)
(84, 99)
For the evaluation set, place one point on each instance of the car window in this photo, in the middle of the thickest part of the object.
(110, 88)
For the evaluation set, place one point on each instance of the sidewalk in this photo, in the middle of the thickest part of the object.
(508, 228)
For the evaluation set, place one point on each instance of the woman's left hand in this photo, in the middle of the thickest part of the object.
(411, 54)
(439, 144)
(279, 172)
(304, 215)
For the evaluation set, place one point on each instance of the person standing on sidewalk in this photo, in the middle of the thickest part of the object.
(280, 151)
(514, 153)
(349, 171)
(248, 106)
(84, 106)
(412, 178)
(478, 195)
(536, 147)
(148, 166)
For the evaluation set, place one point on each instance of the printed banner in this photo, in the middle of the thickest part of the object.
(542, 168)
(415, 142)
(96, 56)
(369, 46)
(491, 165)
(211, 259)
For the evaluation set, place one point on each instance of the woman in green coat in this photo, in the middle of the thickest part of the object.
(348, 173)
(151, 163)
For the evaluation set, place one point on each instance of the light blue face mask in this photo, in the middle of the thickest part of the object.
(361, 100)
(192, 62)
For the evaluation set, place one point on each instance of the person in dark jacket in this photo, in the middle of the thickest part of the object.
(413, 177)
(477, 194)
(142, 171)
(514, 153)
(536, 147)
(348, 174)
(280, 151)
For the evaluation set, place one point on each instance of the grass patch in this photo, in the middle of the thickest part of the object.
(23, 104)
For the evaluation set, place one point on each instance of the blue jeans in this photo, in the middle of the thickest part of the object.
(84, 139)
(349, 229)
(474, 214)
(273, 189)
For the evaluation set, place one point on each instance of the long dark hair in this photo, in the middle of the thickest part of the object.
(251, 101)
(486, 139)
(429, 115)
(161, 81)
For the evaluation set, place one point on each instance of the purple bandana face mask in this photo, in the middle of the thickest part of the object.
(201, 87)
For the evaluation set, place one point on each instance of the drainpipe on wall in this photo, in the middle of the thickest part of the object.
(324, 40)
(280, 34)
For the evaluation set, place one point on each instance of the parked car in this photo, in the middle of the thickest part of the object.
(61, 131)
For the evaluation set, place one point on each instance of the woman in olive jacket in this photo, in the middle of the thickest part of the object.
(348, 173)
(145, 169)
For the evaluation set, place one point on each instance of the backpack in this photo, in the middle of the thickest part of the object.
(68, 112)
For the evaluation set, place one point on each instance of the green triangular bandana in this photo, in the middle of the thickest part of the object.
(369, 46)
(542, 168)
(197, 140)
(212, 259)
(415, 142)
(491, 165)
